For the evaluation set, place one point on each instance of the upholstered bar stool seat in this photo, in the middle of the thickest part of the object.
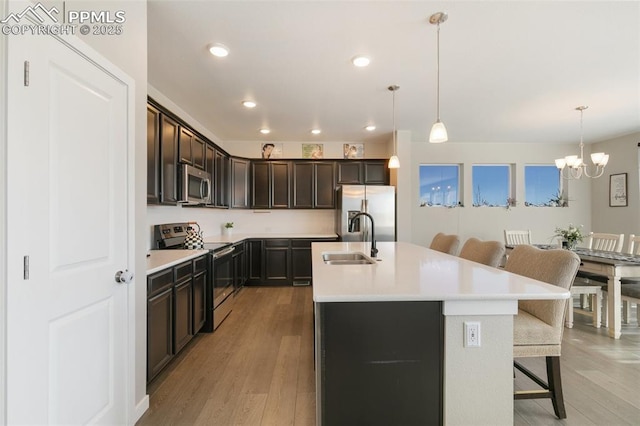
(445, 243)
(490, 253)
(538, 327)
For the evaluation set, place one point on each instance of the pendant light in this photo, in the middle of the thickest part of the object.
(394, 161)
(573, 167)
(438, 131)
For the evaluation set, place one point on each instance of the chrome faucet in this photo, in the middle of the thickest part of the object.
(374, 250)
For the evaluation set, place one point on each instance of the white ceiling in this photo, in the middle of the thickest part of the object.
(511, 71)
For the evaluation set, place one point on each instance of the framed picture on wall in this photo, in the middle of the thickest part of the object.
(271, 150)
(354, 150)
(312, 150)
(618, 190)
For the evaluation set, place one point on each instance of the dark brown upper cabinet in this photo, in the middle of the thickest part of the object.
(239, 183)
(313, 185)
(169, 130)
(270, 186)
(153, 155)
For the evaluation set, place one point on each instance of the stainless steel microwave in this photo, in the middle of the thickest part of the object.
(195, 186)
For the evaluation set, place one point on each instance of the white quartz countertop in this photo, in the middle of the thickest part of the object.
(234, 238)
(406, 272)
(163, 259)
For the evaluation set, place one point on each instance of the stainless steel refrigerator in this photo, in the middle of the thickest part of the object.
(379, 201)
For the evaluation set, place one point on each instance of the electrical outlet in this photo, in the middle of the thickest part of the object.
(471, 334)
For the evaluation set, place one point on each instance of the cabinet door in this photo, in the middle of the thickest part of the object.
(199, 301)
(260, 185)
(324, 186)
(239, 183)
(301, 262)
(169, 155)
(376, 172)
(349, 172)
(254, 251)
(280, 185)
(198, 152)
(303, 185)
(221, 181)
(185, 154)
(277, 259)
(153, 155)
(183, 328)
(159, 332)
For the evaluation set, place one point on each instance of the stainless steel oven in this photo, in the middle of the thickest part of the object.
(221, 285)
(219, 290)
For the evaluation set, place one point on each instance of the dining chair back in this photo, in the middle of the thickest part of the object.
(634, 244)
(490, 253)
(538, 327)
(445, 243)
(514, 237)
(606, 242)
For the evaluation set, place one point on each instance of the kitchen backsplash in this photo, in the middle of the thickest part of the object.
(245, 221)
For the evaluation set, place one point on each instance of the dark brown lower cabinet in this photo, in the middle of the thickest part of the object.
(280, 262)
(159, 332)
(175, 311)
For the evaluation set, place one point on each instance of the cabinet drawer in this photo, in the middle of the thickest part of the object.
(159, 281)
(199, 264)
(183, 270)
(276, 243)
(301, 243)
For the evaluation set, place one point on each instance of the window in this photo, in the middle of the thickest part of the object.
(542, 186)
(439, 185)
(491, 185)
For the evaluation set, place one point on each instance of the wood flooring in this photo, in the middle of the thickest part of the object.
(257, 369)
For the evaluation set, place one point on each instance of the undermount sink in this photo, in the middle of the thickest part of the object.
(347, 258)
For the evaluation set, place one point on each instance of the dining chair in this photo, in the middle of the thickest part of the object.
(445, 243)
(490, 253)
(514, 237)
(587, 285)
(538, 326)
(629, 288)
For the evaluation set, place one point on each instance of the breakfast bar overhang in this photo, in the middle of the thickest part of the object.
(391, 335)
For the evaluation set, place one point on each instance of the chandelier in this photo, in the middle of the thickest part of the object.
(573, 167)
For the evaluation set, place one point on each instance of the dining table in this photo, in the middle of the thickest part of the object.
(614, 266)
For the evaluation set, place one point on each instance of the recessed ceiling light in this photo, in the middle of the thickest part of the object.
(249, 104)
(265, 131)
(360, 61)
(370, 128)
(316, 131)
(219, 50)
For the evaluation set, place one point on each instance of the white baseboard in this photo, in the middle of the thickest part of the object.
(141, 408)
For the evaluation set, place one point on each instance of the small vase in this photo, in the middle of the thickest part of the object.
(227, 231)
(569, 245)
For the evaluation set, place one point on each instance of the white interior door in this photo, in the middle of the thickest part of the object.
(67, 321)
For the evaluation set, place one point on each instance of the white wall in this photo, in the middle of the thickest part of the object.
(420, 224)
(623, 152)
(127, 51)
(4, 7)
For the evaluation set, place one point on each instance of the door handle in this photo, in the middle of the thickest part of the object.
(124, 277)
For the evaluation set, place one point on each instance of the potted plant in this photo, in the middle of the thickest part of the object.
(227, 228)
(570, 236)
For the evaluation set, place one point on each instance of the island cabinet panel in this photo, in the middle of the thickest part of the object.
(379, 363)
(153, 155)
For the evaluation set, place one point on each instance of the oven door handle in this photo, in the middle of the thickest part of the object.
(225, 252)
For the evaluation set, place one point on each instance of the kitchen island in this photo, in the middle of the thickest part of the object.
(390, 341)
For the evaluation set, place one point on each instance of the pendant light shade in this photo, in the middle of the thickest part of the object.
(438, 131)
(394, 161)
